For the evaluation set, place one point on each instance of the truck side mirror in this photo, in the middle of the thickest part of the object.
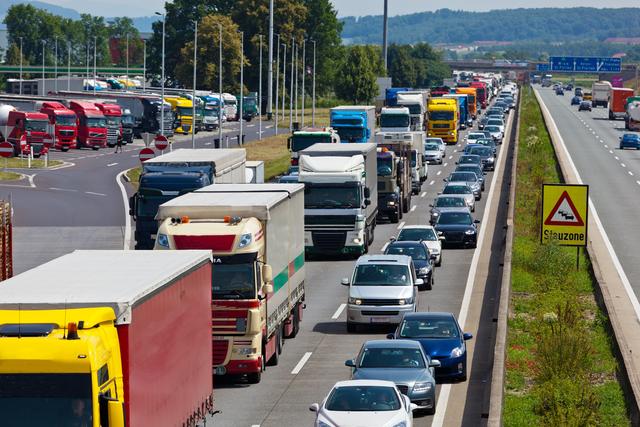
(367, 202)
(367, 192)
(267, 273)
(111, 411)
(289, 143)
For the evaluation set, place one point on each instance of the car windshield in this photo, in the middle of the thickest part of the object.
(66, 120)
(462, 177)
(455, 218)
(431, 147)
(456, 189)
(434, 140)
(469, 159)
(96, 122)
(493, 128)
(46, 399)
(373, 357)
(416, 252)
(394, 121)
(485, 141)
(328, 197)
(417, 234)
(474, 136)
(429, 328)
(440, 115)
(495, 122)
(481, 151)
(451, 202)
(233, 281)
(382, 275)
(363, 399)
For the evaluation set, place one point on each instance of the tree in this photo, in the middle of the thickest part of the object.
(356, 79)
(119, 29)
(208, 55)
(12, 57)
(401, 66)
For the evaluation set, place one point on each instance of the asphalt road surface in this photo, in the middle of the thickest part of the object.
(613, 175)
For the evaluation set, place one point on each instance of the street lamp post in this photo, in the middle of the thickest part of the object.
(293, 57)
(43, 44)
(270, 69)
(68, 65)
(193, 101)
(260, 92)
(144, 65)
(55, 66)
(241, 137)
(220, 85)
(296, 51)
(164, 21)
(95, 74)
(20, 65)
(127, 76)
(313, 91)
(304, 71)
(284, 77)
(277, 79)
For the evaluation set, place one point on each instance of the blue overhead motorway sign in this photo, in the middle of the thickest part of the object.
(581, 64)
(542, 67)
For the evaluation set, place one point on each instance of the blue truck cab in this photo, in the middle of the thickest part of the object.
(354, 123)
(465, 117)
(391, 95)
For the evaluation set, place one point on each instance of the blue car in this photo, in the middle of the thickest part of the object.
(576, 100)
(630, 140)
(442, 340)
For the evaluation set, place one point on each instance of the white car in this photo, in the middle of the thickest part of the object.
(471, 138)
(371, 403)
(439, 141)
(432, 153)
(427, 235)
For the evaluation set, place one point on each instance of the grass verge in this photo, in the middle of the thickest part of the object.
(272, 151)
(560, 367)
(18, 163)
(322, 118)
(9, 176)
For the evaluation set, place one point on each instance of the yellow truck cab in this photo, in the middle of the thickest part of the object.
(443, 119)
(183, 111)
(85, 340)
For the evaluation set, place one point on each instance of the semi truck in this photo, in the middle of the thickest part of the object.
(211, 118)
(419, 168)
(395, 119)
(391, 95)
(600, 93)
(618, 101)
(394, 177)
(354, 123)
(464, 119)
(443, 119)
(230, 106)
(183, 114)
(472, 99)
(305, 138)
(416, 102)
(113, 116)
(256, 234)
(92, 125)
(481, 92)
(93, 339)
(27, 132)
(178, 172)
(632, 116)
(341, 197)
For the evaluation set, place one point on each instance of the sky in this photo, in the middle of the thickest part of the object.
(344, 7)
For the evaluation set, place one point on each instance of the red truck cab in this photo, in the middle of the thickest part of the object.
(113, 115)
(481, 92)
(437, 92)
(64, 121)
(618, 102)
(28, 132)
(92, 125)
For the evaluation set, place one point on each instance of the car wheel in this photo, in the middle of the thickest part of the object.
(394, 218)
(439, 263)
(352, 327)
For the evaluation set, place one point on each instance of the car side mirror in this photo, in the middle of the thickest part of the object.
(419, 282)
(393, 238)
(314, 407)
(445, 179)
(434, 363)
(430, 206)
(441, 238)
(350, 363)
(344, 282)
(433, 256)
(391, 336)
(467, 336)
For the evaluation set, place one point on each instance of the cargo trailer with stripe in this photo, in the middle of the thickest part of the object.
(256, 233)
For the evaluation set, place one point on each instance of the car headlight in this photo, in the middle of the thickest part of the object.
(391, 203)
(405, 301)
(456, 352)
(245, 240)
(245, 351)
(435, 213)
(470, 231)
(356, 301)
(424, 270)
(163, 240)
(422, 387)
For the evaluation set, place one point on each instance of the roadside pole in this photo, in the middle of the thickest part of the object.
(260, 93)
(277, 81)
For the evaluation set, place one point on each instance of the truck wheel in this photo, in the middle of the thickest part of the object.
(254, 378)
(276, 354)
(296, 322)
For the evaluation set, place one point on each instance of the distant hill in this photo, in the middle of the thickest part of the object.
(142, 23)
(543, 24)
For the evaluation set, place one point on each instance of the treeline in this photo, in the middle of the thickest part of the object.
(543, 24)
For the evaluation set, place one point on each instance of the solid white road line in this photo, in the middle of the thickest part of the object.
(62, 189)
(400, 225)
(301, 363)
(95, 194)
(31, 183)
(340, 309)
(127, 219)
(111, 164)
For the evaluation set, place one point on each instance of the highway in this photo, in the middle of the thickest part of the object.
(80, 205)
(312, 362)
(613, 175)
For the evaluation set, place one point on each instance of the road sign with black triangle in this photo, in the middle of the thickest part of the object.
(564, 214)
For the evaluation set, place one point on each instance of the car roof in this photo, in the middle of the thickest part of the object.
(457, 210)
(383, 259)
(355, 383)
(428, 315)
(403, 243)
(414, 227)
(392, 344)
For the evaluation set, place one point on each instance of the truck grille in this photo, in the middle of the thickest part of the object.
(379, 313)
(440, 126)
(220, 349)
(378, 302)
(112, 135)
(65, 132)
(329, 240)
(346, 220)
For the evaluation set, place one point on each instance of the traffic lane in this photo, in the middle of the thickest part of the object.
(283, 397)
(612, 190)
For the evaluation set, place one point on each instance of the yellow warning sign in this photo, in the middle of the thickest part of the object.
(564, 214)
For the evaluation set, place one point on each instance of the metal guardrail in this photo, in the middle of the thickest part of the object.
(63, 71)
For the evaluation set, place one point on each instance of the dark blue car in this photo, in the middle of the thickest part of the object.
(441, 338)
(630, 140)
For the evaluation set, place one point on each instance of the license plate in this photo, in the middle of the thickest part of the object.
(380, 320)
(220, 370)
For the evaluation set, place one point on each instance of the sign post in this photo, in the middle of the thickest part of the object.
(565, 210)
(147, 138)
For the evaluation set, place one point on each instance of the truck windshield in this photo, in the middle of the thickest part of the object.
(211, 111)
(414, 108)
(233, 281)
(350, 134)
(185, 111)
(127, 120)
(301, 142)
(113, 121)
(394, 121)
(66, 120)
(46, 399)
(249, 102)
(329, 197)
(96, 122)
(441, 115)
(385, 166)
(36, 125)
(414, 154)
